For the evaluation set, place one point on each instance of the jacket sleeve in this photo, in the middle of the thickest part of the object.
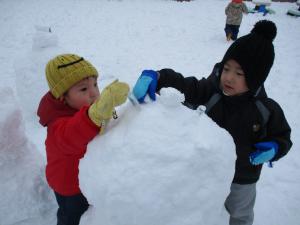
(72, 134)
(227, 9)
(278, 129)
(244, 8)
(196, 92)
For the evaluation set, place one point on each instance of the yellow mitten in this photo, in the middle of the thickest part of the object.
(102, 109)
(119, 91)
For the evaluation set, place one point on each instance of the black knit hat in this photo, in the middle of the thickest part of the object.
(255, 53)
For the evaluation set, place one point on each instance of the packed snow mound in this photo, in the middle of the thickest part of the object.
(161, 173)
(22, 182)
(31, 83)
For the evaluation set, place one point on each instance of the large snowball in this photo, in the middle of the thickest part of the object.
(151, 167)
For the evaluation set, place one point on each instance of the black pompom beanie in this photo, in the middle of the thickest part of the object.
(255, 53)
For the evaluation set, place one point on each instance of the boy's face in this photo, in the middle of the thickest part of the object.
(233, 79)
(83, 93)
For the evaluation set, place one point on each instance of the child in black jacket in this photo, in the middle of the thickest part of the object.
(236, 100)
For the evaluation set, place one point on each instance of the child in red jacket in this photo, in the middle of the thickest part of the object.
(73, 112)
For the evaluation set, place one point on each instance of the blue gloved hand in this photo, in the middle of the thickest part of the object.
(146, 84)
(265, 151)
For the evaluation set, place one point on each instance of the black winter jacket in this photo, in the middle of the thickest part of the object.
(239, 115)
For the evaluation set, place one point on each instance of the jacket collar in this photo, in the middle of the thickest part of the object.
(51, 109)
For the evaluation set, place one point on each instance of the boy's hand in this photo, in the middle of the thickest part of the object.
(146, 84)
(265, 151)
(113, 95)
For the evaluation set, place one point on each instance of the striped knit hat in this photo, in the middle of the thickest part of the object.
(63, 71)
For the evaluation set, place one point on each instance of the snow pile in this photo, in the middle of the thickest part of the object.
(30, 80)
(31, 83)
(162, 173)
(21, 167)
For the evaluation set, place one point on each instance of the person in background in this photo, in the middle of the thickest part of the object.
(234, 15)
(235, 98)
(74, 112)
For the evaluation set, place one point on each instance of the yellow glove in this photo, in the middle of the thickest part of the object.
(102, 109)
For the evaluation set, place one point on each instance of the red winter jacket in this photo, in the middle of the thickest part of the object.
(68, 133)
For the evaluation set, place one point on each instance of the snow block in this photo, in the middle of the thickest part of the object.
(293, 12)
(44, 38)
(262, 2)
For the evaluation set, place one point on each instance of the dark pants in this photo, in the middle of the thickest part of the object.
(233, 30)
(70, 208)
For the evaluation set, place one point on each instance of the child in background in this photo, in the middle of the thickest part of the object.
(234, 15)
(74, 112)
(240, 107)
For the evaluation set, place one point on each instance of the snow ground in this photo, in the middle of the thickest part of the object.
(161, 163)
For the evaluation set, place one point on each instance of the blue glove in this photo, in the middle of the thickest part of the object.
(146, 84)
(265, 151)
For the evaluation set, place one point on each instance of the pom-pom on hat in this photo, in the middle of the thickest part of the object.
(63, 71)
(255, 53)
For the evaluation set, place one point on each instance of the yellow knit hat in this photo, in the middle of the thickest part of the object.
(63, 71)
